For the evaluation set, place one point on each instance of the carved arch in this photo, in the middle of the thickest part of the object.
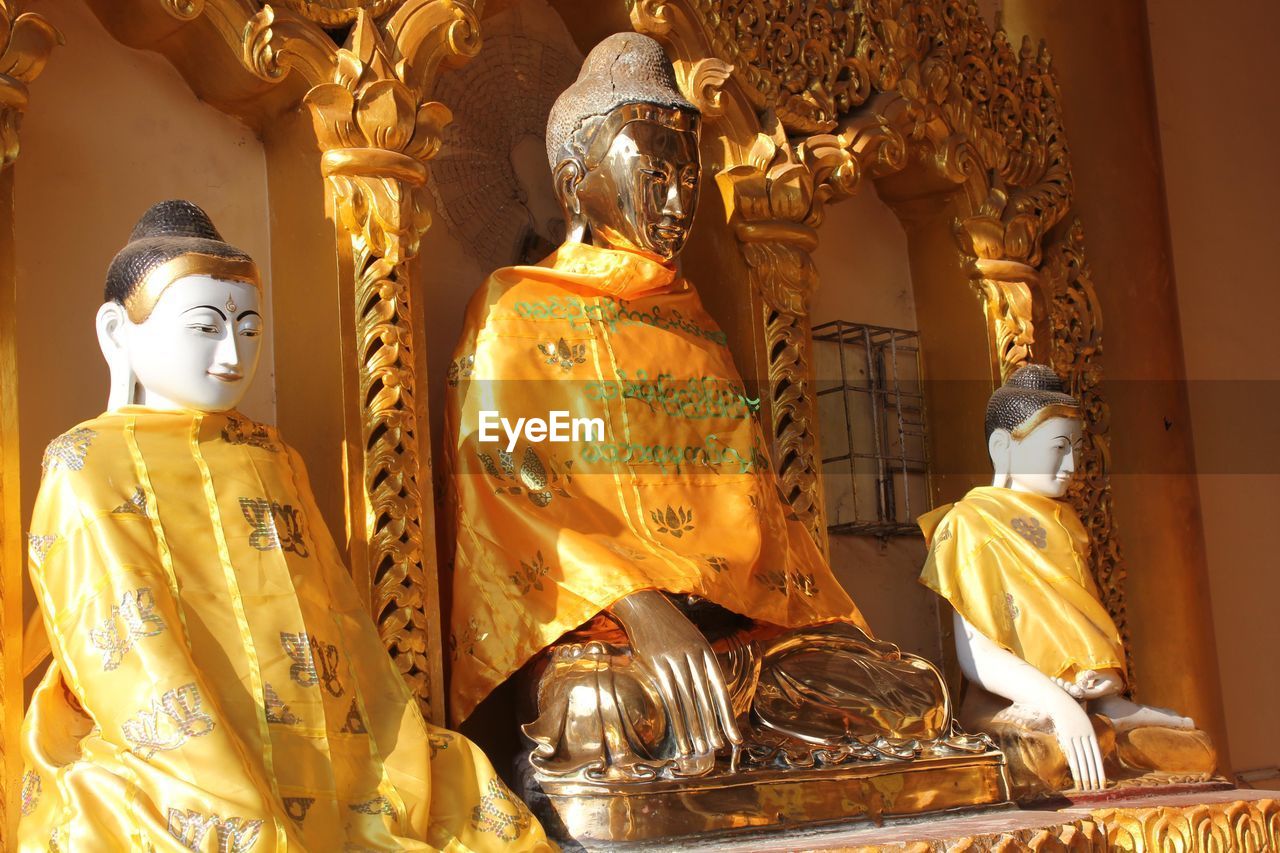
(959, 132)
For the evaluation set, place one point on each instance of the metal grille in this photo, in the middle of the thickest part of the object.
(874, 442)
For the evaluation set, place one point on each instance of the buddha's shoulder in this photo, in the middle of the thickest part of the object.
(977, 510)
(512, 284)
(87, 441)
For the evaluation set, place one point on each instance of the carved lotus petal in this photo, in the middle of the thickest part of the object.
(25, 47)
(428, 126)
(385, 114)
(332, 113)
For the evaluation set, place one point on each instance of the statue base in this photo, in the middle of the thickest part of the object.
(733, 801)
(1223, 821)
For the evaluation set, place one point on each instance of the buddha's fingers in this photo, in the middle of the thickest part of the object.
(1095, 761)
(1073, 762)
(684, 679)
(701, 691)
(675, 714)
(720, 693)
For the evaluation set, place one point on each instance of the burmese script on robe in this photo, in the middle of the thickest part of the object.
(675, 492)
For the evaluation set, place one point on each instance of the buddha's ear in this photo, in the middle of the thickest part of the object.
(566, 179)
(999, 446)
(110, 324)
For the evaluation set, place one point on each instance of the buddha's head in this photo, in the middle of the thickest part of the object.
(1033, 429)
(623, 146)
(180, 328)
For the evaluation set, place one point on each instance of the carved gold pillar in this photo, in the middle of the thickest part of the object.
(376, 133)
(775, 202)
(25, 42)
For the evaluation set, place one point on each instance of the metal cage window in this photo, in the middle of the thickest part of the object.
(875, 448)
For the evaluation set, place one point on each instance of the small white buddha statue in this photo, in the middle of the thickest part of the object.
(1044, 659)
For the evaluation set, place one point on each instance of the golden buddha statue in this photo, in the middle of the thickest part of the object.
(216, 683)
(1044, 659)
(623, 551)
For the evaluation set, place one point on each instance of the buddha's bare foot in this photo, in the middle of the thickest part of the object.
(1126, 715)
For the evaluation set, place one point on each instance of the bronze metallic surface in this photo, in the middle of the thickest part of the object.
(640, 188)
(727, 800)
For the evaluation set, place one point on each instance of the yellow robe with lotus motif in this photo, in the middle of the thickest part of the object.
(674, 493)
(216, 682)
(1015, 565)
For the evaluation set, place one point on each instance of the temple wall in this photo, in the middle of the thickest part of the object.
(95, 155)
(1219, 114)
(864, 276)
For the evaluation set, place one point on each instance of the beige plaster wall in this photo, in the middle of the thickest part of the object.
(865, 277)
(109, 132)
(1215, 76)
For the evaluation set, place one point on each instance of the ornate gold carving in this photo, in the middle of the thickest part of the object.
(1075, 352)
(1211, 827)
(377, 131)
(777, 202)
(26, 39)
(336, 13)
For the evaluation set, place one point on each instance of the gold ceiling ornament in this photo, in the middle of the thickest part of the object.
(377, 131)
(778, 196)
(336, 13)
(1075, 351)
(26, 40)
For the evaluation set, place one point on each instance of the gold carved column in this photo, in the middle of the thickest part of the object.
(775, 202)
(26, 40)
(376, 133)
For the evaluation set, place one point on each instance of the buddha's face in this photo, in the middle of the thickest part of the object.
(643, 192)
(1041, 462)
(199, 347)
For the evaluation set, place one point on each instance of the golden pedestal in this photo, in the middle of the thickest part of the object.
(1224, 821)
(728, 800)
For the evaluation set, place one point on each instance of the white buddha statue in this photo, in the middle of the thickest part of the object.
(216, 682)
(1044, 659)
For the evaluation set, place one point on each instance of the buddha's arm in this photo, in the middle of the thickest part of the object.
(688, 675)
(1005, 674)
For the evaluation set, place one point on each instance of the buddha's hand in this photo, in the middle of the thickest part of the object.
(688, 675)
(1078, 741)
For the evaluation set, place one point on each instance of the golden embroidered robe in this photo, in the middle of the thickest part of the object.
(673, 492)
(1015, 565)
(216, 682)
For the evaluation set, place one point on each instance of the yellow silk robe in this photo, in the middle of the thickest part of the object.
(216, 682)
(1015, 565)
(675, 494)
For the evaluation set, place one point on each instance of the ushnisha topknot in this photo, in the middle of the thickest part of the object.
(625, 68)
(174, 238)
(1031, 395)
